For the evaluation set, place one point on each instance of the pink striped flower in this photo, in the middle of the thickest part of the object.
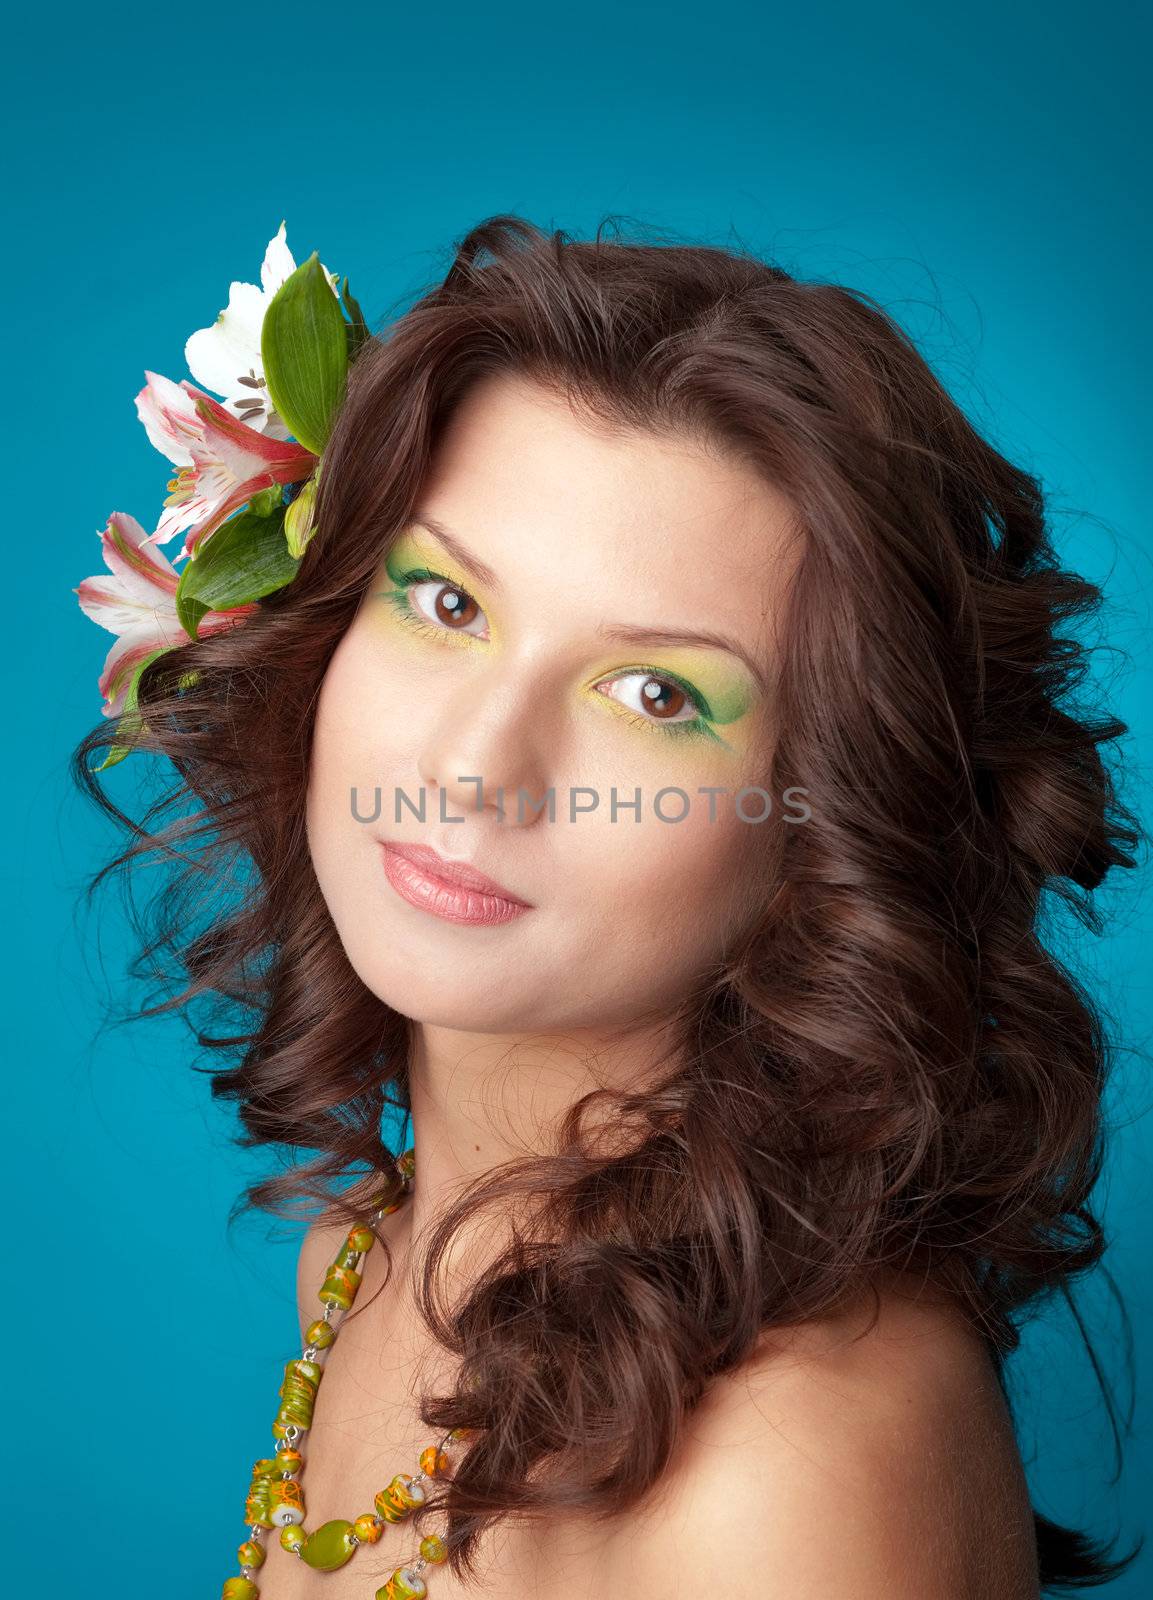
(222, 462)
(136, 601)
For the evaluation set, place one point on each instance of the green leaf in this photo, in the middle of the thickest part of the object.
(190, 611)
(265, 502)
(114, 757)
(305, 350)
(129, 721)
(244, 560)
(357, 328)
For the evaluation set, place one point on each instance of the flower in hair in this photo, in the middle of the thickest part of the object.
(248, 466)
(137, 602)
(222, 462)
(227, 358)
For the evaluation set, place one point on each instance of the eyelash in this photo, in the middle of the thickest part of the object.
(402, 606)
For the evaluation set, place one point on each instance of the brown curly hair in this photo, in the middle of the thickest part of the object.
(891, 1068)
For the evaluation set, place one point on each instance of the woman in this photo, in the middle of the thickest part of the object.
(748, 1110)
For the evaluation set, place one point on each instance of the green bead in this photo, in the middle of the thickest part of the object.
(339, 1287)
(292, 1537)
(361, 1240)
(256, 1506)
(297, 1396)
(239, 1589)
(328, 1546)
(319, 1334)
(251, 1554)
(433, 1547)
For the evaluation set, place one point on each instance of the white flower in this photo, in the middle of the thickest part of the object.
(226, 356)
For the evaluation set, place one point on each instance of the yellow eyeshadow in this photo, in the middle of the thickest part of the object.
(728, 692)
(399, 573)
(411, 550)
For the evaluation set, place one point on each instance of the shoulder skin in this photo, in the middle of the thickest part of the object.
(881, 1469)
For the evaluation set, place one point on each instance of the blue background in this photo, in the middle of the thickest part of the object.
(976, 171)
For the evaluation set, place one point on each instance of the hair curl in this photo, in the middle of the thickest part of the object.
(909, 1075)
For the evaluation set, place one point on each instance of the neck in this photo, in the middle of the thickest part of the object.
(481, 1099)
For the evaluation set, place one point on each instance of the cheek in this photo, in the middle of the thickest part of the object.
(333, 746)
(677, 889)
(361, 718)
(349, 749)
(652, 906)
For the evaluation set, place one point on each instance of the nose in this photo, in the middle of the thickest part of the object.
(487, 749)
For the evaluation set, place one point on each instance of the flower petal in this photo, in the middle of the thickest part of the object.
(218, 356)
(169, 418)
(139, 589)
(124, 657)
(230, 462)
(278, 263)
(143, 570)
(201, 516)
(101, 601)
(244, 449)
(267, 421)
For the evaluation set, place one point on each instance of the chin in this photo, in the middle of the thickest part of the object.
(463, 1009)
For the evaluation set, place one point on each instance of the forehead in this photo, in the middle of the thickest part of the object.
(634, 518)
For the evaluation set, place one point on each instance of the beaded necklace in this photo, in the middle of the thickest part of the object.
(275, 1499)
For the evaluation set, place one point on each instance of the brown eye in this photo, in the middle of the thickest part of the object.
(455, 608)
(448, 606)
(663, 700)
(658, 699)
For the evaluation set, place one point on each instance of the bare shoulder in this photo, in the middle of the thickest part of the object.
(873, 1461)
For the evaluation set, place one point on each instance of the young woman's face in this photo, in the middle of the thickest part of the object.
(516, 643)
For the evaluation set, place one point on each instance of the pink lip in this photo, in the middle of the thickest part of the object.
(447, 888)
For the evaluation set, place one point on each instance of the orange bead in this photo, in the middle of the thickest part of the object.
(367, 1529)
(434, 1462)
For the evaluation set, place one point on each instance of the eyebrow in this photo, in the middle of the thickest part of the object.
(617, 632)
